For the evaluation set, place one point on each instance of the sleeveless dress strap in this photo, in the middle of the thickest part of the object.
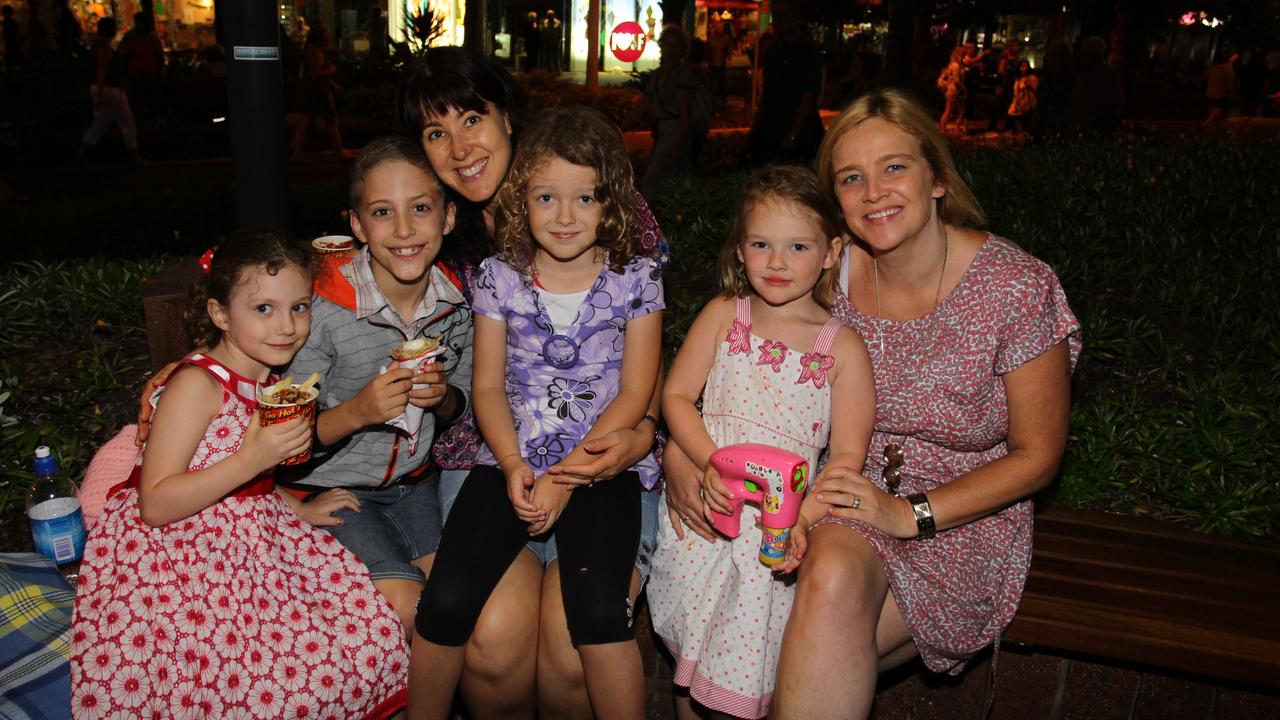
(744, 311)
(826, 337)
(231, 381)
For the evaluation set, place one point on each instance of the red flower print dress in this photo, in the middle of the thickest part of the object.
(719, 610)
(242, 610)
(940, 396)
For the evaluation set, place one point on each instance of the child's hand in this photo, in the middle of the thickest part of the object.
(551, 498)
(430, 386)
(811, 511)
(796, 546)
(264, 447)
(384, 397)
(715, 494)
(519, 490)
(319, 510)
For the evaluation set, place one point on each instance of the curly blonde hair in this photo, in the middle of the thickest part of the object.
(581, 136)
(799, 187)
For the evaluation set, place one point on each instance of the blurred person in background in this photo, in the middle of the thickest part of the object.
(142, 55)
(110, 102)
(787, 128)
(1220, 88)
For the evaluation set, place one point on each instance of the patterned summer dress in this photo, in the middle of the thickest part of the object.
(940, 396)
(242, 610)
(719, 610)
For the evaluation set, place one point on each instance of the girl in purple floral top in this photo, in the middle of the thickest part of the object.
(568, 343)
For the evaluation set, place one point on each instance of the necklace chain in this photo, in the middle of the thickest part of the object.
(937, 294)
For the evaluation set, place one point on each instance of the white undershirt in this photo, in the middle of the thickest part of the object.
(562, 307)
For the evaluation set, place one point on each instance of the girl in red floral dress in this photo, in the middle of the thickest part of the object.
(204, 592)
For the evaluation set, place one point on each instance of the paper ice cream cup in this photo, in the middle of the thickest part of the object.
(328, 246)
(272, 413)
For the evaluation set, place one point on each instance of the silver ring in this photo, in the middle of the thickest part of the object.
(857, 503)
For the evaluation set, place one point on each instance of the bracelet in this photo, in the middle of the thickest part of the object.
(507, 457)
(652, 419)
(923, 511)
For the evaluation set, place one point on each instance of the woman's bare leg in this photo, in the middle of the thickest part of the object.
(562, 686)
(842, 593)
(501, 657)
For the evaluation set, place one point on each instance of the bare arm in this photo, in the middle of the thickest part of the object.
(489, 388)
(853, 410)
(688, 377)
(1039, 395)
(167, 492)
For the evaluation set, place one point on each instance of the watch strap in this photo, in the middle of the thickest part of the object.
(923, 511)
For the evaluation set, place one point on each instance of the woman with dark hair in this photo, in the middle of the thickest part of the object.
(469, 113)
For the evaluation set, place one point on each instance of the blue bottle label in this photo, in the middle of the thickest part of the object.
(57, 527)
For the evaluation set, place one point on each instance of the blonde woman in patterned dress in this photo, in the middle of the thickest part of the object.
(973, 347)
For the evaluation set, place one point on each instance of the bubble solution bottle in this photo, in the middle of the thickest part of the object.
(53, 505)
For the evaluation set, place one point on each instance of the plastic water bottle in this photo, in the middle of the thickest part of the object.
(53, 504)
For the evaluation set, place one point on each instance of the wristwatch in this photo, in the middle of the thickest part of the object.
(920, 507)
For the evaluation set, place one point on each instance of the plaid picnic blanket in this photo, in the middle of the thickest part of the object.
(35, 639)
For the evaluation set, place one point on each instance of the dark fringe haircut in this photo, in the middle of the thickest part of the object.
(456, 78)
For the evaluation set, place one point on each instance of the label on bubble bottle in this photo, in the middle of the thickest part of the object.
(773, 545)
(57, 527)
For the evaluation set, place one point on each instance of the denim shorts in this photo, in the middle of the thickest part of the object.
(545, 546)
(395, 526)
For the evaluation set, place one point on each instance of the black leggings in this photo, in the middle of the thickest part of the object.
(597, 536)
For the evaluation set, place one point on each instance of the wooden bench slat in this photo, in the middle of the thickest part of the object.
(1188, 583)
(1094, 631)
(1146, 591)
(1229, 570)
(1193, 610)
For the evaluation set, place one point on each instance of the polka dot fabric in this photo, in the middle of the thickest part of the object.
(242, 610)
(941, 397)
(719, 610)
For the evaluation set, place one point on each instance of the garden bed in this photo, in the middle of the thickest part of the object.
(1168, 252)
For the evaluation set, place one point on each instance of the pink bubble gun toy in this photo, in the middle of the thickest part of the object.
(769, 477)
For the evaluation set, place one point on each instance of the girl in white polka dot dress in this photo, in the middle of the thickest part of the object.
(769, 362)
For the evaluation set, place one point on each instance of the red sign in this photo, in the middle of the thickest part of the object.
(627, 41)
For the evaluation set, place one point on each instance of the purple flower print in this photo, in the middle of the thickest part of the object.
(543, 452)
(571, 399)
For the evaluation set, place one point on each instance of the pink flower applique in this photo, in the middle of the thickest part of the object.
(814, 366)
(739, 338)
(772, 353)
